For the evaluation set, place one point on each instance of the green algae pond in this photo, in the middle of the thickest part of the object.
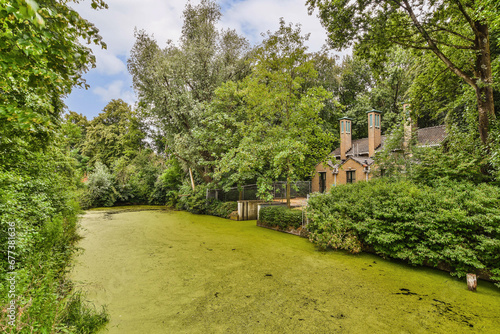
(160, 271)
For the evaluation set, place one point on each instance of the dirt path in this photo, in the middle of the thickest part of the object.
(173, 272)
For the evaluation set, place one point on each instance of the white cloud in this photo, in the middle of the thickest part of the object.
(253, 17)
(163, 19)
(116, 24)
(108, 63)
(115, 90)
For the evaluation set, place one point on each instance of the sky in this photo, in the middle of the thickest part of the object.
(163, 19)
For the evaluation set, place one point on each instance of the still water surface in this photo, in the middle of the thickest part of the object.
(163, 271)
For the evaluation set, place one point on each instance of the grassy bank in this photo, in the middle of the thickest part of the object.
(38, 239)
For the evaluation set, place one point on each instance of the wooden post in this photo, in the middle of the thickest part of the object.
(471, 282)
(192, 180)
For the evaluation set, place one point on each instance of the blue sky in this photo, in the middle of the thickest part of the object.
(163, 18)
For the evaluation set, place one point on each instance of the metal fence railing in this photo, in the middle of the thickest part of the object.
(249, 192)
(297, 189)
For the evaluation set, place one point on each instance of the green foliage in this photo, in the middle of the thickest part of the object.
(36, 198)
(166, 187)
(100, 188)
(282, 136)
(36, 39)
(194, 201)
(280, 216)
(455, 35)
(176, 84)
(452, 223)
(41, 59)
(136, 178)
(114, 133)
(221, 209)
(84, 318)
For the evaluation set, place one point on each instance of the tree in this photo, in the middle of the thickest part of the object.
(176, 84)
(41, 59)
(456, 32)
(114, 133)
(282, 134)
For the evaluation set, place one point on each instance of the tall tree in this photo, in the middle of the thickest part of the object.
(175, 84)
(114, 133)
(282, 136)
(41, 59)
(452, 30)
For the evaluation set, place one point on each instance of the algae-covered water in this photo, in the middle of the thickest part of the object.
(174, 272)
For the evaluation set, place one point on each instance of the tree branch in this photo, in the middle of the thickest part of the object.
(439, 28)
(466, 16)
(435, 49)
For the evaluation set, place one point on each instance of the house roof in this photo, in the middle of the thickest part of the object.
(358, 147)
(431, 136)
(363, 161)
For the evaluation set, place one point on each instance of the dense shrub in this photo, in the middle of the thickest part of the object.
(451, 223)
(194, 201)
(100, 188)
(136, 178)
(36, 200)
(167, 185)
(221, 209)
(280, 216)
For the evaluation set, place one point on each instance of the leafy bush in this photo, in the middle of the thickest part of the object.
(100, 187)
(196, 202)
(136, 179)
(450, 223)
(36, 200)
(280, 216)
(166, 187)
(222, 209)
(193, 201)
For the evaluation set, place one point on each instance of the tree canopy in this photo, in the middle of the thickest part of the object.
(41, 60)
(282, 134)
(457, 33)
(114, 133)
(176, 83)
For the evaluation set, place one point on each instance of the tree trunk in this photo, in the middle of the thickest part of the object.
(192, 179)
(484, 84)
(471, 282)
(204, 175)
(288, 204)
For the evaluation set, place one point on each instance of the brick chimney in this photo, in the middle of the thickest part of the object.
(374, 135)
(408, 126)
(345, 136)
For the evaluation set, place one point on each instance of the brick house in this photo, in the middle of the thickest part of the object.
(353, 160)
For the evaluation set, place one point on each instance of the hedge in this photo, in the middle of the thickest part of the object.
(280, 216)
(452, 224)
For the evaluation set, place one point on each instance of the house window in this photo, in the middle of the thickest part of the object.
(322, 182)
(351, 176)
(371, 120)
(377, 121)
(342, 127)
(348, 124)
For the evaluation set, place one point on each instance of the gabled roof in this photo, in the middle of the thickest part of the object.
(363, 161)
(431, 136)
(358, 147)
